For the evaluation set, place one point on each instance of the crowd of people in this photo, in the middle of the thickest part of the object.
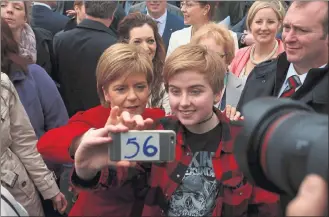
(72, 73)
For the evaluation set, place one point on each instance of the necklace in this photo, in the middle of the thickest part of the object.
(206, 120)
(252, 59)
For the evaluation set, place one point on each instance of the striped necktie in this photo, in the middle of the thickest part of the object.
(293, 83)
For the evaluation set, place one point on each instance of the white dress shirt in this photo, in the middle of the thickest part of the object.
(161, 22)
(42, 4)
(291, 72)
(226, 22)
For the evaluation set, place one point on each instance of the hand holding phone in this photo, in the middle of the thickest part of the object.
(92, 156)
(147, 145)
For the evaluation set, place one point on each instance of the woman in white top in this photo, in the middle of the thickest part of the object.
(196, 14)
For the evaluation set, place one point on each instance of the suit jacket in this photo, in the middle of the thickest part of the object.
(233, 90)
(267, 78)
(171, 8)
(44, 17)
(183, 36)
(173, 23)
(77, 52)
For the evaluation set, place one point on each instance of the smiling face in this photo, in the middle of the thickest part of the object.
(130, 93)
(14, 14)
(305, 41)
(144, 36)
(156, 8)
(191, 97)
(265, 25)
(194, 13)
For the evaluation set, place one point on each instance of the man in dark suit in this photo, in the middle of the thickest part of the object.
(142, 5)
(44, 17)
(77, 52)
(167, 22)
(302, 72)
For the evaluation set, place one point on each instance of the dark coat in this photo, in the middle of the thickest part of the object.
(173, 23)
(267, 78)
(45, 18)
(77, 52)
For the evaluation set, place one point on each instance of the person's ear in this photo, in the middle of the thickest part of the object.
(76, 8)
(217, 97)
(106, 95)
(206, 10)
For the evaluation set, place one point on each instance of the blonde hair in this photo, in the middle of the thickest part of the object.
(121, 60)
(220, 34)
(196, 58)
(276, 5)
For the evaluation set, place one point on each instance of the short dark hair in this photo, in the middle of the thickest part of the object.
(101, 9)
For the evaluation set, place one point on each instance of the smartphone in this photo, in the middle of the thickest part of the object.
(147, 145)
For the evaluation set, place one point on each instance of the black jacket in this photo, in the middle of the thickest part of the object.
(267, 78)
(77, 52)
(44, 45)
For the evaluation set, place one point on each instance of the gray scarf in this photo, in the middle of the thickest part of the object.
(27, 45)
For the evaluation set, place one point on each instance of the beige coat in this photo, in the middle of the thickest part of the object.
(23, 170)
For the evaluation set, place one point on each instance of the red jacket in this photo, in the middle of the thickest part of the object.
(238, 197)
(54, 146)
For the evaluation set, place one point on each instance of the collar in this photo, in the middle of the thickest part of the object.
(282, 66)
(16, 73)
(322, 67)
(42, 4)
(71, 24)
(161, 19)
(292, 72)
(227, 130)
(91, 24)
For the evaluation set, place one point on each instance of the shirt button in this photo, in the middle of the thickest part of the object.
(240, 193)
(23, 184)
(263, 81)
(178, 175)
(188, 154)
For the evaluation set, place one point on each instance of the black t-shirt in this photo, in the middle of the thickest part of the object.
(208, 141)
(199, 189)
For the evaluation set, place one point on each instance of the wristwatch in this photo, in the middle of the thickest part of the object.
(242, 39)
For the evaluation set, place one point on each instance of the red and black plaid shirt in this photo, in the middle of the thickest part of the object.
(236, 198)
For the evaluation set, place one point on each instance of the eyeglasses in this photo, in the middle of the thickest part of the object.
(187, 4)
